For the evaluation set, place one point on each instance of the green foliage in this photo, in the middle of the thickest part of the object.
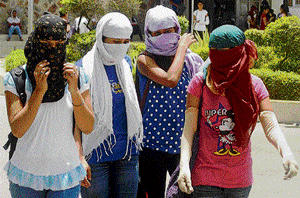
(203, 42)
(184, 23)
(257, 36)
(201, 46)
(281, 85)
(128, 7)
(283, 36)
(87, 8)
(134, 50)
(202, 51)
(287, 65)
(79, 45)
(14, 59)
(266, 58)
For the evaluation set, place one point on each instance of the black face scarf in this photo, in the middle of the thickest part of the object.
(48, 27)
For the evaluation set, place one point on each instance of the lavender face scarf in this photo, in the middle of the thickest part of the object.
(161, 17)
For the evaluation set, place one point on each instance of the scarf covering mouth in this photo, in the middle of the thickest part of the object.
(158, 18)
(112, 25)
(230, 75)
(48, 27)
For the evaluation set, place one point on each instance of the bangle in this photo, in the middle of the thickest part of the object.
(78, 105)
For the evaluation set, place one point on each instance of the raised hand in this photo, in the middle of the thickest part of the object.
(41, 74)
(186, 40)
(71, 74)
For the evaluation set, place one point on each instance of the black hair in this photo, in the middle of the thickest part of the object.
(200, 1)
(285, 8)
(46, 12)
(265, 7)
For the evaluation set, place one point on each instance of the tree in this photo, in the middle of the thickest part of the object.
(129, 8)
(83, 8)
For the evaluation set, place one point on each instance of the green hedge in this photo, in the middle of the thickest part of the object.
(266, 58)
(79, 45)
(14, 59)
(283, 36)
(281, 85)
(257, 36)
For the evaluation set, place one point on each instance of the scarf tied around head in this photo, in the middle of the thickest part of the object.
(48, 27)
(159, 18)
(230, 53)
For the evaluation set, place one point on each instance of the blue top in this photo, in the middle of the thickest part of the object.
(163, 113)
(119, 122)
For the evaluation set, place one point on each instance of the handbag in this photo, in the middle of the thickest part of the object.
(173, 190)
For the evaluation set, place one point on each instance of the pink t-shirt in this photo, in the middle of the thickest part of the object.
(219, 161)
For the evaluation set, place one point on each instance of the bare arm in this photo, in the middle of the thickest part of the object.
(20, 118)
(149, 68)
(206, 21)
(265, 105)
(265, 20)
(78, 140)
(84, 115)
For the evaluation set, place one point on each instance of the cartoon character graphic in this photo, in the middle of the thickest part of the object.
(222, 121)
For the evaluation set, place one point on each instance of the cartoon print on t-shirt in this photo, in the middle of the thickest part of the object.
(222, 121)
(116, 87)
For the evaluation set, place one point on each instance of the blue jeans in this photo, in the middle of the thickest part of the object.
(118, 179)
(217, 192)
(12, 29)
(17, 191)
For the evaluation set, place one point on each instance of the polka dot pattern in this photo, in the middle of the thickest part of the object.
(164, 115)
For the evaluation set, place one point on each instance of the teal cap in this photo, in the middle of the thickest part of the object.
(226, 36)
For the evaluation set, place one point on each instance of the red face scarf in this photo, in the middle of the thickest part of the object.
(230, 75)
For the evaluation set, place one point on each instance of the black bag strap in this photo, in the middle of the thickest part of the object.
(142, 100)
(19, 76)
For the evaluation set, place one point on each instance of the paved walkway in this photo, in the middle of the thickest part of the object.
(267, 164)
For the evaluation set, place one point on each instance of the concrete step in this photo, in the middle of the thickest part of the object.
(7, 46)
(14, 37)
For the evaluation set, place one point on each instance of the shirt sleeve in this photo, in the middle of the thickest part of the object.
(206, 18)
(9, 84)
(195, 14)
(195, 86)
(260, 88)
(84, 80)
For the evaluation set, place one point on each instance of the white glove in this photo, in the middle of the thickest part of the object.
(190, 127)
(277, 138)
(291, 167)
(184, 180)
